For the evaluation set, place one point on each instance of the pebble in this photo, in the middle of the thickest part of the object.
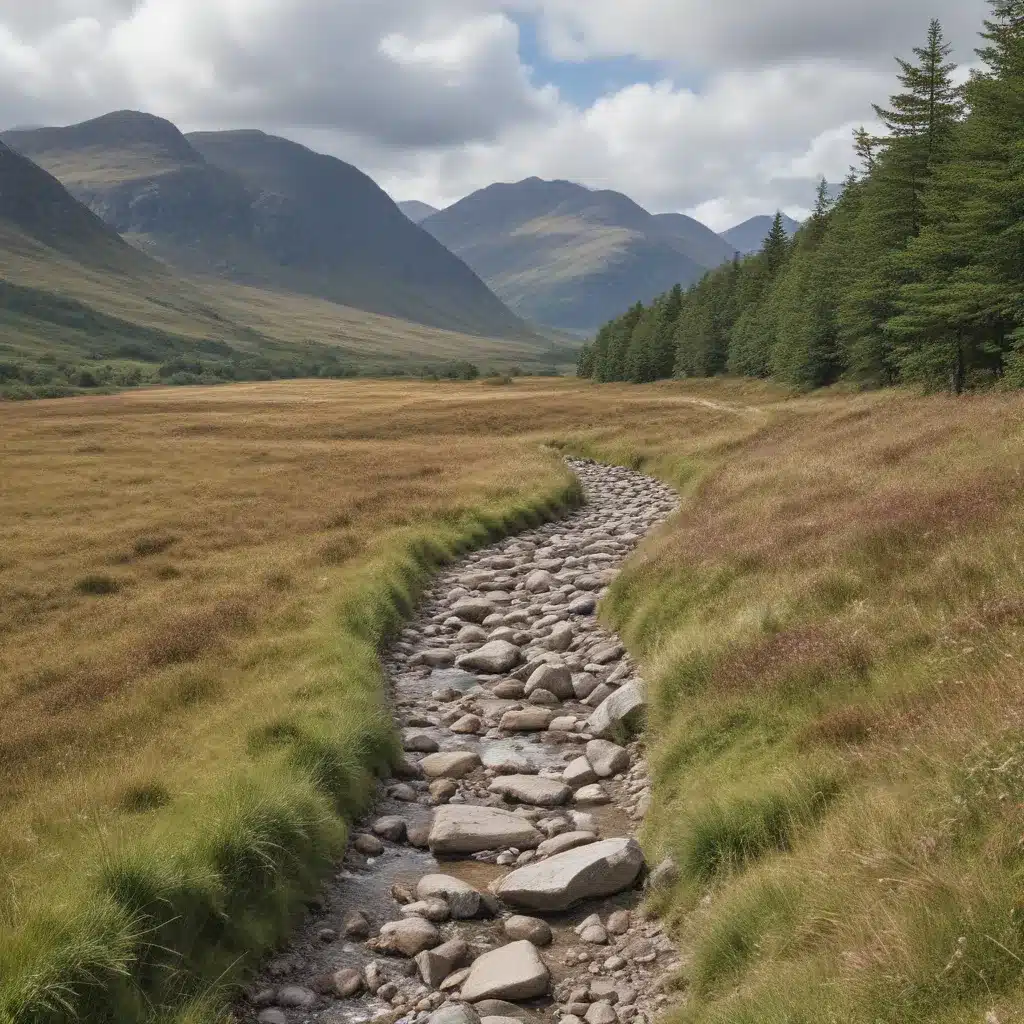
(500, 687)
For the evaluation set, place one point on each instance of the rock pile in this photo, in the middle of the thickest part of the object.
(497, 879)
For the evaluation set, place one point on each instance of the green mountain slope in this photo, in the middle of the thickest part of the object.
(266, 212)
(695, 240)
(563, 255)
(80, 308)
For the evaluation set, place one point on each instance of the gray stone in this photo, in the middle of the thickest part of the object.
(565, 841)
(531, 789)
(462, 899)
(601, 1013)
(465, 829)
(584, 605)
(368, 846)
(527, 720)
(408, 937)
(473, 609)
(513, 972)
(296, 997)
(471, 635)
(432, 909)
(467, 725)
(347, 982)
(453, 1014)
(494, 657)
(436, 964)
(579, 773)
(556, 679)
(606, 758)
(560, 638)
(356, 925)
(584, 684)
(501, 1008)
(272, 1015)
(592, 796)
(621, 714)
(390, 827)
(453, 764)
(539, 580)
(552, 885)
(618, 922)
(532, 929)
(664, 876)
(440, 658)
(418, 742)
(506, 762)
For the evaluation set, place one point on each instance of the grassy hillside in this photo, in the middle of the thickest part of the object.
(831, 630)
(568, 257)
(263, 211)
(81, 309)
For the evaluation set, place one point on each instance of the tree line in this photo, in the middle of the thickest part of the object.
(914, 275)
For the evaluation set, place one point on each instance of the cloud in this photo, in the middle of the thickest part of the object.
(432, 98)
(710, 33)
(404, 73)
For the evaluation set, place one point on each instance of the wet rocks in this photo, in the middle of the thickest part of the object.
(606, 758)
(462, 899)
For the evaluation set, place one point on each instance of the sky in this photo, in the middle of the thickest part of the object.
(722, 109)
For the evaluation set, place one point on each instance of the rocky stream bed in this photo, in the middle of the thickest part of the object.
(498, 878)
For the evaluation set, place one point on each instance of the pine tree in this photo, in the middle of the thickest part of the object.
(961, 304)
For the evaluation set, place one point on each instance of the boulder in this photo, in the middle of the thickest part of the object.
(592, 796)
(506, 762)
(539, 580)
(560, 638)
(473, 609)
(527, 720)
(436, 964)
(620, 714)
(390, 827)
(605, 757)
(552, 885)
(451, 764)
(453, 1014)
(439, 658)
(347, 982)
(579, 773)
(465, 829)
(532, 929)
(494, 657)
(513, 972)
(408, 937)
(556, 679)
(462, 899)
(419, 742)
(531, 789)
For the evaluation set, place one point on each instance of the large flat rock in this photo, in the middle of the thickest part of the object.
(512, 972)
(494, 657)
(531, 789)
(588, 872)
(464, 829)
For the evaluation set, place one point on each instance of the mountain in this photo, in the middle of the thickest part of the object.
(570, 257)
(750, 235)
(417, 211)
(697, 240)
(80, 308)
(266, 212)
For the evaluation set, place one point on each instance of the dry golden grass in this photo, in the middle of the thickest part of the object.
(832, 628)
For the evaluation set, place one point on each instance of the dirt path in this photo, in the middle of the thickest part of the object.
(498, 876)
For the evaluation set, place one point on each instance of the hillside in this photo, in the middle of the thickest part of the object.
(417, 211)
(80, 308)
(749, 236)
(568, 257)
(263, 211)
(694, 239)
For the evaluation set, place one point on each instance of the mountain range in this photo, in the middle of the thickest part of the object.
(264, 211)
(571, 257)
(748, 237)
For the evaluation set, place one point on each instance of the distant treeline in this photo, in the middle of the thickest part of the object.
(915, 275)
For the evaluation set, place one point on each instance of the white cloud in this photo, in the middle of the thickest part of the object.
(432, 99)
